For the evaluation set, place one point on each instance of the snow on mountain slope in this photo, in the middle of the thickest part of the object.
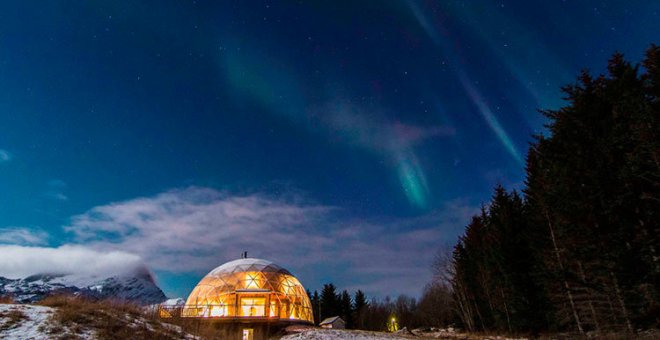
(140, 290)
(137, 287)
(174, 302)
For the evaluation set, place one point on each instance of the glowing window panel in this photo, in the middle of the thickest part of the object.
(253, 306)
(273, 309)
(295, 312)
(252, 280)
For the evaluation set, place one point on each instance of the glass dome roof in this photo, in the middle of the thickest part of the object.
(250, 289)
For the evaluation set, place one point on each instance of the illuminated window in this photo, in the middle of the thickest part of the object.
(283, 310)
(273, 309)
(252, 280)
(253, 306)
(295, 312)
(289, 284)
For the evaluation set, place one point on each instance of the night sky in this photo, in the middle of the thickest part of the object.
(346, 141)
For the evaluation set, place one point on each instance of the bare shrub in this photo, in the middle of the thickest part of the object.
(13, 317)
(6, 299)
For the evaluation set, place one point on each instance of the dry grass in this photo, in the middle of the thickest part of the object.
(6, 299)
(106, 319)
(11, 318)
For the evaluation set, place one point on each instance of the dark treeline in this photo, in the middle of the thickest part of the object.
(359, 312)
(578, 249)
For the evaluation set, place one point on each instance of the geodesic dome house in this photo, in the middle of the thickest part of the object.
(250, 289)
(246, 299)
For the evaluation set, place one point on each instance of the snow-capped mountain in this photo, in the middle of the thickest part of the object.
(138, 287)
(175, 302)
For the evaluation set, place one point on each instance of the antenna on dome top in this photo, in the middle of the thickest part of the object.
(244, 255)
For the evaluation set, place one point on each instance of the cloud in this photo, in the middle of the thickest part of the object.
(22, 236)
(369, 128)
(196, 229)
(21, 261)
(193, 229)
(394, 257)
(5, 156)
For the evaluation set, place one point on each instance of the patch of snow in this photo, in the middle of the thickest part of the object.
(336, 334)
(36, 324)
(140, 322)
(174, 302)
(32, 327)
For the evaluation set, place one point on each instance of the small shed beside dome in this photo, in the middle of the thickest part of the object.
(334, 322)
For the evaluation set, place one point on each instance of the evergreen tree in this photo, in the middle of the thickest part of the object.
(346, 309)
(316, 304)
(330, 302)
(360, 309)
(593, 180)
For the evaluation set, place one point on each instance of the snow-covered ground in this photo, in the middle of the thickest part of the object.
(336, 334)
(24, 321)
(426, 334)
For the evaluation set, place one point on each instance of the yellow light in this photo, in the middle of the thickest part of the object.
(273, 307)
(252, 280)
(294, 313)
(288, 284)
(253, 306)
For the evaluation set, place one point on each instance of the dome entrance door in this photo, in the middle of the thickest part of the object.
(248, 334)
